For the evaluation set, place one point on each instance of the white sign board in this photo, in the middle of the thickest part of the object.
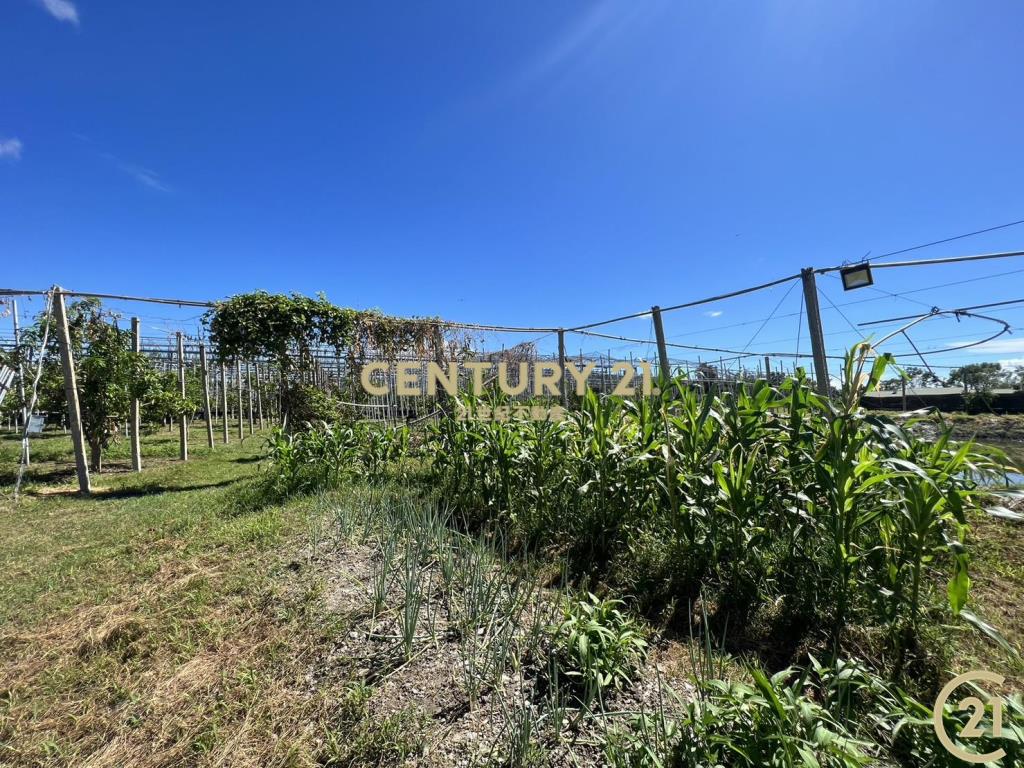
(35, 424)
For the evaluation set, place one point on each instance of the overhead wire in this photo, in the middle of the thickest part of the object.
(768, 319)
(948, 239)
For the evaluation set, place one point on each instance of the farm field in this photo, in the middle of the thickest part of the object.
(238, 610)
(537, 385)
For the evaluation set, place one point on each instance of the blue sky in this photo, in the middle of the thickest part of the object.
(536, 163)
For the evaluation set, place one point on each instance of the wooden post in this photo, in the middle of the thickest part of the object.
(814, 326)
(204, 370)
(238, 383)
(659, 333)
(135, 417)
(259, 395)
(224, 400)
(767, 368)
(67, 364)
(561, 367)
(182, 417)
(26, 454)
(903, 392)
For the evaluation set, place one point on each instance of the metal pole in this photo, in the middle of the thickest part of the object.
(182, 417)
(259, 395)
(26, 453)
(814, 326)
(659, 333)
(248, 388)
(561, 367)
(224, 400)
(135, 416)
(204, 370)
(67, 365)
(241, 420)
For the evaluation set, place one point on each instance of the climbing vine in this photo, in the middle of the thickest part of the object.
(288, 327)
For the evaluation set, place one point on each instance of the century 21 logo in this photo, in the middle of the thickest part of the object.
(977, 709)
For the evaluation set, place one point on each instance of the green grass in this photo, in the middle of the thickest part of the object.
(60, 549)
(156, 618)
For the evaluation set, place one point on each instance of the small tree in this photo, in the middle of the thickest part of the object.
(109, 374)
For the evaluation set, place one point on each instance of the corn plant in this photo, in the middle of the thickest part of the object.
(597, 646)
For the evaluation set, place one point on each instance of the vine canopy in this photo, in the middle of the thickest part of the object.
(283, 327)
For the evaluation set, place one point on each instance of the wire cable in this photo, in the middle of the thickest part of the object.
(768, 319)
(949, 239)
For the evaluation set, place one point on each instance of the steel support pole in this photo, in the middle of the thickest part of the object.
(816, 333)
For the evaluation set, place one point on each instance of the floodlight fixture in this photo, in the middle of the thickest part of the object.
(858, 276)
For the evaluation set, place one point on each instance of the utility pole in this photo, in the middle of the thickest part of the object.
(182, 417)
(135, 417)
(814, 326)
(67, 364)
(25, 453)
(659, 333)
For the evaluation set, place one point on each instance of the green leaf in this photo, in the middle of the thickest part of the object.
(959, 585)
(987, 629)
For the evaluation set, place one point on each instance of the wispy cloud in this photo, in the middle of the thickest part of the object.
(586, 39)
(62, 10)
(10, 149)
(144, 176)
(713, 313)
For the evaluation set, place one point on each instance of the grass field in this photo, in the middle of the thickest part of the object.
(153, 624)
(177, 617)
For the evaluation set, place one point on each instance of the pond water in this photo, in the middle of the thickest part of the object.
(1015, 451)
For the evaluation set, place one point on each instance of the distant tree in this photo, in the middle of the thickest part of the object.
(1012, 377)
(916, 378)
(976, 377)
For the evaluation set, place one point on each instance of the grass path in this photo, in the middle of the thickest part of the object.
(151, 624)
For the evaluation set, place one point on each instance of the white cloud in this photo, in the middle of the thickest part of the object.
(999, 347)
(62, 10)
(713, 313)
(1013, 362)
(10, 148)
